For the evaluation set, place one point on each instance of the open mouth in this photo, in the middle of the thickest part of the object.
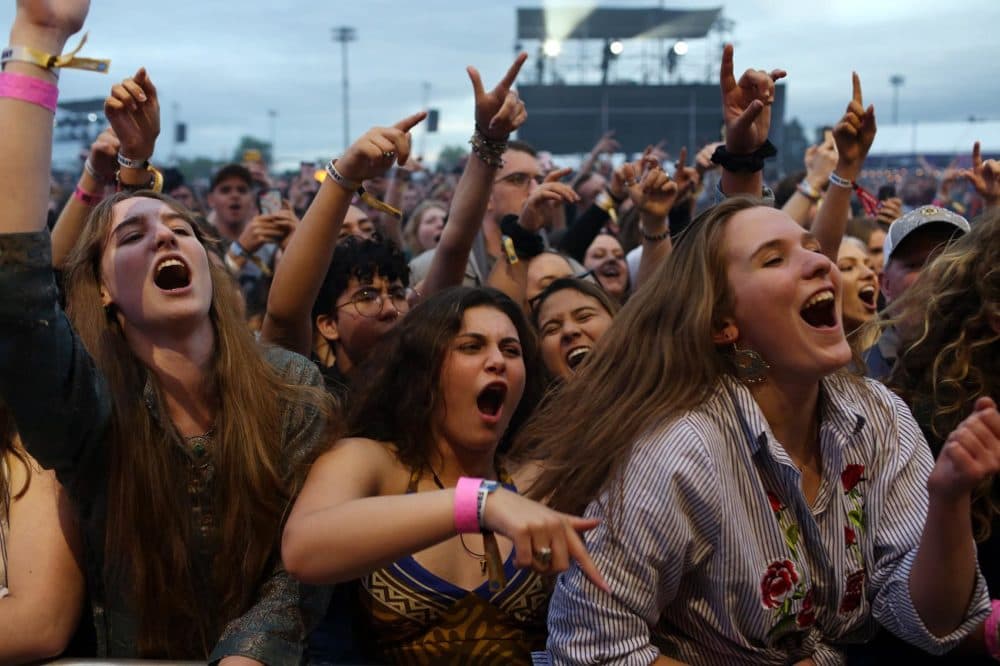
(576, 356)
(610, 269)
(868, 296)
(820, 311)
(171, 274)
(490, 399)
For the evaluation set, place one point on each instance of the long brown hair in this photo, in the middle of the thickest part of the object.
(149, 545)
(950, 346)
(655, 362)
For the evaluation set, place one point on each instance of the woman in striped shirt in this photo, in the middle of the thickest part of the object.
(760, 521)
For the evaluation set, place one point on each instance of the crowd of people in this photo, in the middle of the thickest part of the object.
(652, 411)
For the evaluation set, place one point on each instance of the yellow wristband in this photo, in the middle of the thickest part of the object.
(49, 61)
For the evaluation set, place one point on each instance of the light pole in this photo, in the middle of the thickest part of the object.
(345, 34)
(896, 81)
(272, 115)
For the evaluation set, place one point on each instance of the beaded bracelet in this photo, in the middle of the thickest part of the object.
(488, 150)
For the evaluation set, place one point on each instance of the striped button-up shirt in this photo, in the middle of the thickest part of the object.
(717, 558)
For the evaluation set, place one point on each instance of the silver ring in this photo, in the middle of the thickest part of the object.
(544, 557)
(388, 154)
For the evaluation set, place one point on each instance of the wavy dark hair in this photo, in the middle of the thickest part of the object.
(950, 344)
(399, 387)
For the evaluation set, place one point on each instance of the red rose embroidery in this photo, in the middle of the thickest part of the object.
(778, 583)
(851, 476)
(853, 590)
(776, 505)
(850, 536)
(806, 616)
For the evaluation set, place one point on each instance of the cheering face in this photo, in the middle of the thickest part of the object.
(430, 227)
(482, 381)
(232, 201)
(787, 295)
(570, 323)
(606, 258)
(154, 270)
(860, 285)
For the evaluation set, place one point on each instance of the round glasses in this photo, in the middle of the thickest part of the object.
(368, 302)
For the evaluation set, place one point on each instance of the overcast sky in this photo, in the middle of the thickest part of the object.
(224, 64)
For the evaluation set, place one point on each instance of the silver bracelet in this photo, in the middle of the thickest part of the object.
(129, 163)
(840, 181)
(349, 185)
(92, 172)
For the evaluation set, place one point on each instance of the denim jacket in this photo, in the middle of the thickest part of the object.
(62, 406)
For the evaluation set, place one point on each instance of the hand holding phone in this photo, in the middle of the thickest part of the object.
(269, 201)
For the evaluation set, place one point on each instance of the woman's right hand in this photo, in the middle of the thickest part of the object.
(133, 110)
(536, 529)
(377, 149)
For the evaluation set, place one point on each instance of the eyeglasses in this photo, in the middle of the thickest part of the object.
(368, 302)
(521, 178)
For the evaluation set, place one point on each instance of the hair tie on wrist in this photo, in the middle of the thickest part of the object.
(751, 163)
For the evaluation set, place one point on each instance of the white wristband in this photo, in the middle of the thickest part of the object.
(349, 185)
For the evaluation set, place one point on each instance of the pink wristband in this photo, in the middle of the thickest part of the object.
(85, 197)
(466, 505)
(29, 89)
(990, 630)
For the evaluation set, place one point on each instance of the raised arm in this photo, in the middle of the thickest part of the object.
(606, 144)
(820, 161)
(985, 177)
(133, 109)
(498, 113)
(653, 193)
(853, 135)
(307, 258)
(98, 173)
(746, 109)
(27, 153)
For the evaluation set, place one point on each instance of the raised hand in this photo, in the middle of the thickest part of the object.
(133, 110)
(688, 178)
(889, 211)
(547, 200)
(499, 111)
(854, 133)
(703, 160)
(746, 105)
(650, 188)
(536, 530)
(103, 155)
(820, 161)
(984, 176)
(47, 24)
(606, 144)
(970, 455)
(377, 150)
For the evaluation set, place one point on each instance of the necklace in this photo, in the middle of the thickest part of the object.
(471, 553)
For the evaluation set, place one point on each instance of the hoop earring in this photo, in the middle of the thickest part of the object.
(751, 368)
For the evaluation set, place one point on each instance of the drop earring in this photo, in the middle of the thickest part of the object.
(751, 368)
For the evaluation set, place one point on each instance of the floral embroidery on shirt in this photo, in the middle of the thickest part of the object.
(781, 586)
(854, 587)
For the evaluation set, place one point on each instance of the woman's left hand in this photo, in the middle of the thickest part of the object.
(970, 455)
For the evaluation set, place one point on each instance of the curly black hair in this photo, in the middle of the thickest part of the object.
(359, 258)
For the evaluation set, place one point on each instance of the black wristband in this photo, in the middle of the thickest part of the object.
(751, 163)
(526, 244)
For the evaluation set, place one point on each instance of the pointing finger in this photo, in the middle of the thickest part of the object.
(511, 75)
(977, 156)
(477, 82)
(726, 78)
(557, 175)
(408, 123)
(856, 84)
